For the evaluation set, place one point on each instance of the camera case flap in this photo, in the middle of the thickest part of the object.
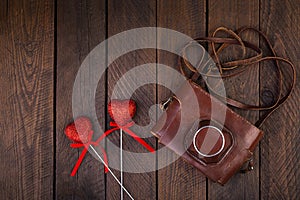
(206, 133)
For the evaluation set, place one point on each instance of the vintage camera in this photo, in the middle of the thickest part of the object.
(206, 133)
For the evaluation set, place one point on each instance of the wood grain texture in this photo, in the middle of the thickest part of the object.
(26, 79)
(37, 77)
(178, 180)
(280, 145)
(245, 87)
(122, 16)
(80, 27)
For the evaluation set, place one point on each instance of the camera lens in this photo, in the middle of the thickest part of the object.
(209, 141)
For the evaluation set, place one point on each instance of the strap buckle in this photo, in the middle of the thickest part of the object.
(164, 104)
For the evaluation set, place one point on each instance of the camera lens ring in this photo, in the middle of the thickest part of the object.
(209, 155)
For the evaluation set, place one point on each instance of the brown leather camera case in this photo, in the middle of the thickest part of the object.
(206, 133)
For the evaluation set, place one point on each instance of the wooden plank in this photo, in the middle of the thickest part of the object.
(178, 180)
(26, 120)
(235, 14)
(279, 147)
(80, 27)
(122, 16)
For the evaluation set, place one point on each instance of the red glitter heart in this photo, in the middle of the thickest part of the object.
(121, 111)
(79, 130)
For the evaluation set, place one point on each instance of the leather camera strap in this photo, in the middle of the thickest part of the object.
(236, 67)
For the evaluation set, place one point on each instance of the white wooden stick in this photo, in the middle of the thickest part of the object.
(111, 172)
(121, 161)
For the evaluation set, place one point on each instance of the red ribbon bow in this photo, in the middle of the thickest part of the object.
(115, 126)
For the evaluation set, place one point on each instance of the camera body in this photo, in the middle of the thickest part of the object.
(206, 133)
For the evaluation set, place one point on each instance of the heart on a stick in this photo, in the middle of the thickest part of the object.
(79, 130)
(121, 111)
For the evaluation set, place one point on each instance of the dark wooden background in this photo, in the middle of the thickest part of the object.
(42, 44)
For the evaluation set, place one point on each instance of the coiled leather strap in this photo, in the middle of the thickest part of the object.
(236, 67)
